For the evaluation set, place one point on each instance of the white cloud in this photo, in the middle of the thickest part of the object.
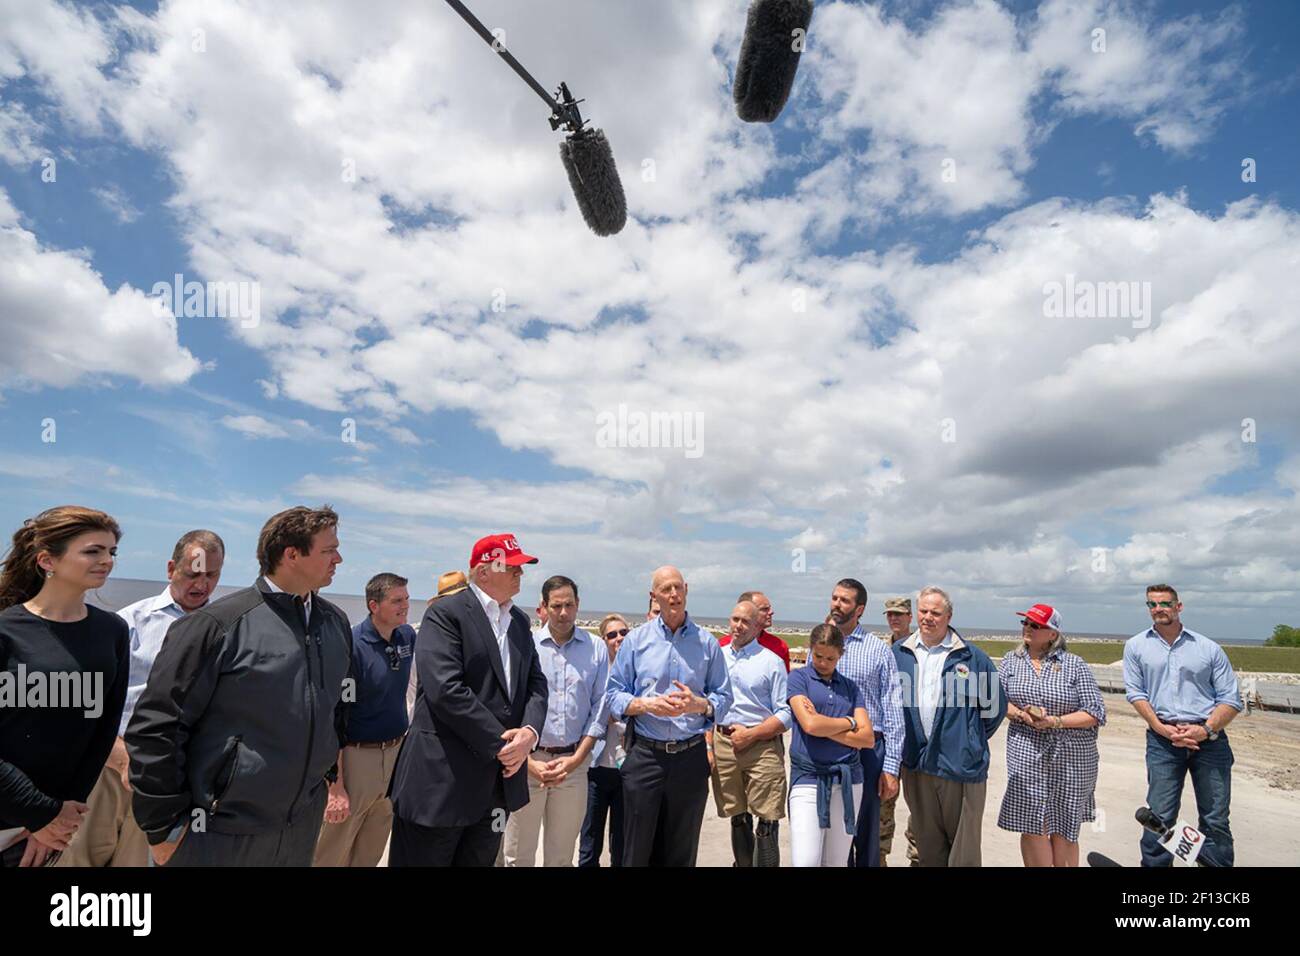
(61, 324)
(978, 88)
(19, 135)
(1174, 79)
(253, 426)
(117, 202)
(62, 50)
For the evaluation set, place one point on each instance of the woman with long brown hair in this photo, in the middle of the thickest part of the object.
(64, 669)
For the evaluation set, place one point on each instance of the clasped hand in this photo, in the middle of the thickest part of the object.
(1188, 736)
(676, 703)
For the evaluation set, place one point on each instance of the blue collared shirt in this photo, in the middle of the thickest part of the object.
(1184, 681)
(576, 674)
(869, 662)
(148, 620)
(648, 662)
(379, 712)
(758, 685)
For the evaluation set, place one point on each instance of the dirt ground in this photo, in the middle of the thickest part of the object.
(1265, 802)
(1265, 805)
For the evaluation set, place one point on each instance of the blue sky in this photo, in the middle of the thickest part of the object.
(222, 164)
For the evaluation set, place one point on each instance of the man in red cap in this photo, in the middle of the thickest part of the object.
(478, 713)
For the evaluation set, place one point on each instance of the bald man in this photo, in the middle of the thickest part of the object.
(748, 749)
(669, 683)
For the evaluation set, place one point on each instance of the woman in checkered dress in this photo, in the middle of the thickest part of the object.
(1054, 710)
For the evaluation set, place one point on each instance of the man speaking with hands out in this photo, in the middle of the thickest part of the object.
(670, 683)
(478, 712)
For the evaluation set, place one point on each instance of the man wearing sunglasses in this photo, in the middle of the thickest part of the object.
(1182, 684)
(359, 815)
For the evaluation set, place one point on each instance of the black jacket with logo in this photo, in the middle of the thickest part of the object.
(242, 716)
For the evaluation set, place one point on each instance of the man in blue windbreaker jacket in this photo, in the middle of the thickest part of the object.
(952, 705)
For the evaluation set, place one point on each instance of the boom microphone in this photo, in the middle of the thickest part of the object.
(769, 57)
(593, 175)
(585, 153)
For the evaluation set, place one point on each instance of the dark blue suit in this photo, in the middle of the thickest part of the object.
(449, 794)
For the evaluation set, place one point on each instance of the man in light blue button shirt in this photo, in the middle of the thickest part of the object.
(670, 679)
(1182, 684)
(576, 668)
(748, 752)
(868, 662)
(109, 835)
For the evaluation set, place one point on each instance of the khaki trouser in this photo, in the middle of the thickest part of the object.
(752, 781)
(555, 813)
(360, 839)
(946, 818)
(109, 835)
(887, 828)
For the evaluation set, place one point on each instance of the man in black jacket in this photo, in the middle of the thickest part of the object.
(239, 724)
(479, 710)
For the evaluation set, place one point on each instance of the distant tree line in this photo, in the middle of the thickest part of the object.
(1284, 636)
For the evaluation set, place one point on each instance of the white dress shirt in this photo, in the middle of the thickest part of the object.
(929, 676)
(498, 616)
(148, 621)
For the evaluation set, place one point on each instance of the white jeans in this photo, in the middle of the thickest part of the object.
(810, 845)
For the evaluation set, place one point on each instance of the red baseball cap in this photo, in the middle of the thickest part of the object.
(499, 547)
(1043, 614)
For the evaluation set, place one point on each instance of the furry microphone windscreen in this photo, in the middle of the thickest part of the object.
(769, 57)
(593, 175)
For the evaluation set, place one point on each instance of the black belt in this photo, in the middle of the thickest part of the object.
(560, 751)
(671, 746)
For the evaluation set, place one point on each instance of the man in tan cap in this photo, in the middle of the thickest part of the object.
(898, 613)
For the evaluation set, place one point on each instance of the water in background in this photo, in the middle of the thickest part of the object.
(119, 592)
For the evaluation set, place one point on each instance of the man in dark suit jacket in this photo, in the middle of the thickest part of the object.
(478, 713)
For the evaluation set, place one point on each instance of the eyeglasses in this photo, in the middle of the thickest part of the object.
(394, 658)
(1031, 624)
(1156, 604)
(622, 633)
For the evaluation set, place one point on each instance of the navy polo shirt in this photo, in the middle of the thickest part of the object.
(379, 713)
(837, 697)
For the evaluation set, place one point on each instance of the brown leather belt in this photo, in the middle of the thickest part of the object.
(560, 751)
(381, 745)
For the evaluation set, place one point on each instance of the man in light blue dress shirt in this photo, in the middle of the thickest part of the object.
(868, 662)
(748, 751)
(576, 666)
(109, 835)
(1182, 684)
(670, 683)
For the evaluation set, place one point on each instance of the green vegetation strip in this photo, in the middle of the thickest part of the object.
(1268, 660)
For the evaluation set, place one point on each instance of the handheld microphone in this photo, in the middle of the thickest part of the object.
(769, 57)
(585, 153)
(1183, 841)
(1151, 822)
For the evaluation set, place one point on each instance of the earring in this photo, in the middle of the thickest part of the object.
(49, 574)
